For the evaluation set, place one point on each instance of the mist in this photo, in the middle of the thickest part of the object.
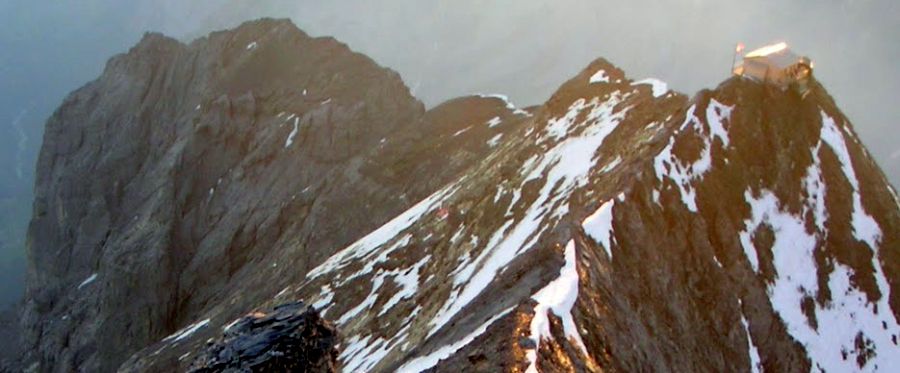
(444, 49)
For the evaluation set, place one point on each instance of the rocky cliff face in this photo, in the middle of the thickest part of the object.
(202, 178)
(617, 227)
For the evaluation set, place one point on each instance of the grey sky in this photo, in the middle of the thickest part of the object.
(448, 48)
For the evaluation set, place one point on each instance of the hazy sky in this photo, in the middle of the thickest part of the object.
(443, 49)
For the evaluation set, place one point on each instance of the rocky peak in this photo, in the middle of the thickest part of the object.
(620, 226)
(625, 227)
(241, 153)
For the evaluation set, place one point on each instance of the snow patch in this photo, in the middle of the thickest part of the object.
(558, 296)
(252, 46)
(360, 355)
(659, 87)
(494, 141)
(599, 77)
(814, 185)
(667, 165)
(599, 227)
(325, 298)
(509, 104)
(850, 314)
(611, 165)
(408, 281)
(290, 139)
(755, 361)
(865, 228)
(494, 122)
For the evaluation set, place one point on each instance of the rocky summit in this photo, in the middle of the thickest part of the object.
(619, 226)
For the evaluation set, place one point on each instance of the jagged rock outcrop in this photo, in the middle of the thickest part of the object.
(617, 227)
(291, 338)
(185, 171)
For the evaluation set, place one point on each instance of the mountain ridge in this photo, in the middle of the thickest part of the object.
(634, 199)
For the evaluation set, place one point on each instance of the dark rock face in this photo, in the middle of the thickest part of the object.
(10, 335)
(617, 227)
(292, 338)
(185, 171)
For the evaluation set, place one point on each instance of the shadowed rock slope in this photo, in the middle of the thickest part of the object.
(617, 227)
(204, 178)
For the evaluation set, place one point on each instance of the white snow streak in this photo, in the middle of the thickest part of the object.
(683, 175)
(494, 141)
(186, 331)
(558, 296)
(325, 298)
(428, 361)
(360, 355)
(599, 77)
(408, 280)
(505, 99)
(814, 185)
(659, 87)
(290, 139)
(865, 228)
(231, 324)
(494, 122)
(755, 361)
(599, 226)
(87, 281)
(612, 165)
(566, 166)
(367, 246)
(460, 132)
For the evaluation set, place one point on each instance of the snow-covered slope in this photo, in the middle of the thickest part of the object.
(624, 227)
